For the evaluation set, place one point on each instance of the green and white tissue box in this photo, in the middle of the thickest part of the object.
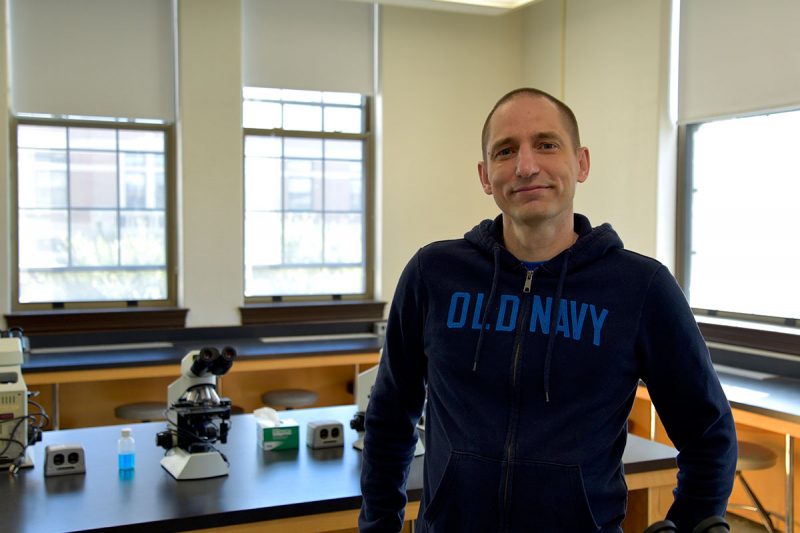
(275, 434)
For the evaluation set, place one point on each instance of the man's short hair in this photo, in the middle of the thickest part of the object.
(569, 117)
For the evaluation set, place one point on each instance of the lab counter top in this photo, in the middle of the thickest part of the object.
(767, 394)
(262, 486)
(166, 353)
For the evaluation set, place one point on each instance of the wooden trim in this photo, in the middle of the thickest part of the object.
(96, 320)
(307, 312)
(773, 341)
(315, 523)
(657, 478)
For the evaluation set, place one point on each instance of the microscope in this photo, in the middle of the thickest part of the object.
(363, 389)
(17, 430)
(197, 417)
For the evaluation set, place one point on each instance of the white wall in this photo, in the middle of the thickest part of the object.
(5, 201)
(612, 73)
(441, 74)
(210, 131)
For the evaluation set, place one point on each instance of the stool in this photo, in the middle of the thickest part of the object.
(289, 398)
(754, 457)
(141, 411)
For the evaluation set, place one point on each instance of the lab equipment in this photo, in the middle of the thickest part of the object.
(197, 417)
(18, 429)
(363, 389)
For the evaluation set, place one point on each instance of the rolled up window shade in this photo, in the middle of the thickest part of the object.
(111, 58)
(323, 45)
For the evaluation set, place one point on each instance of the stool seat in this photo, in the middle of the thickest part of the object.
(141, 411)
(754, 457)
(289, 398)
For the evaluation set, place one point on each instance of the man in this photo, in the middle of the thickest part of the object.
(529, 337)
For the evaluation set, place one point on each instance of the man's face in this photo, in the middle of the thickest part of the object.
(530, 165)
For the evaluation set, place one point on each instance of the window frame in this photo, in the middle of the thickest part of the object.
(772, 333)
(256, 307)
(170, 208)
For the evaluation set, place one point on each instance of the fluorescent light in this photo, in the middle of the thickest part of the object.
(485, 7)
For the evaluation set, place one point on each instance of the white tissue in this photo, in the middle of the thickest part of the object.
(267, 417)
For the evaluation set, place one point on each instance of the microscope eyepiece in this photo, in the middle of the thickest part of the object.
(224, 362)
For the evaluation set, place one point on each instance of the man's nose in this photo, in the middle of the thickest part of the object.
(527, 162)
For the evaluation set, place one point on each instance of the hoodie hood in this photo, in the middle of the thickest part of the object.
(592, 244)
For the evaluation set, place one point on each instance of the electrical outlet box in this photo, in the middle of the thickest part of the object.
(64, 459)
(324, 434)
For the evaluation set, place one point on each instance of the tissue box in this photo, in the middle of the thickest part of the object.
(286, 436)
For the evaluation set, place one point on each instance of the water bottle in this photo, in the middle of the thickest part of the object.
(126, 448)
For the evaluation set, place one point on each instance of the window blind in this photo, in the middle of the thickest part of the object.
(738, 57)
(323, 45)
(110, 58)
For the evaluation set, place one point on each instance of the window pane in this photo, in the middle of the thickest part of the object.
(263, 233)
(42, 178)
(304, 197)
(303, 179)
(261, 93)
(143, 238)
(291, 95)
(343, 186)
(342, 98)
(343, 119)
(302, 238)
(259, 145)
(109, 185)
(92, 138)
(92, 285)
(94, 238)
(307, 148)
(265, 115)
(262, 184)
(141, 141)
(745, 187)
(302, 117)
(41, 136)
(344, 240)
(142, 181)
(93, 179)
(43, 239)
(336, 149)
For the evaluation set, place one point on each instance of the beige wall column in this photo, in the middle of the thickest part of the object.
(210, 147)
(440, 75)
(613, 61)
(5, 206)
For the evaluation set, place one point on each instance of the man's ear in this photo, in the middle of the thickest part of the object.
(484, 177)
(583, 164)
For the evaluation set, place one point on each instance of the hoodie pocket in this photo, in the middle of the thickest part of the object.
(549, 497)
(466, 498)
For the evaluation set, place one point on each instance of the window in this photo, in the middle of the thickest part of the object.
(306, 168)
(91, 212)
(741, 244)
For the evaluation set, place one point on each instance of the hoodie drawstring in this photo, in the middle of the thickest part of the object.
(495, 277)
(553, 317)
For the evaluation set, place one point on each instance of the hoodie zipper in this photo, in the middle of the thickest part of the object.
(512, 426)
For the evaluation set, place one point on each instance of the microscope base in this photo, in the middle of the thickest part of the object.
(202, 465)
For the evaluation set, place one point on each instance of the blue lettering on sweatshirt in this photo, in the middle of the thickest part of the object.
(570, 318)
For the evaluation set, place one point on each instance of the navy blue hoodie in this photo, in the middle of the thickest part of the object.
(530, 377)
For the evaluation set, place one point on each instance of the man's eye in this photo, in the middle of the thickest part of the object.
(503, 152)
(548, 146)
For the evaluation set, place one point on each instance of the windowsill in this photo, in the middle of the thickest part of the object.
(60, 321)
(768, 337)
(304, 312)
